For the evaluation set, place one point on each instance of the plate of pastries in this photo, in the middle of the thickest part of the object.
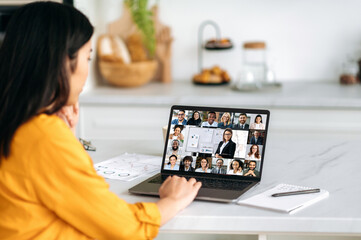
(212, 76)
(218, 44)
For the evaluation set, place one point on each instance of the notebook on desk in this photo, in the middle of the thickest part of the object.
(224, 148)
(288, 204)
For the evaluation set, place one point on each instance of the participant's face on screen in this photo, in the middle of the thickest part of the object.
(211, 118)
(181, 115)
(235, 165)
(256, 134)
(204, 163)
(225, 118)
(252, 165)
(187, 163)
(254, 149)
(175, 145)
(78, 77)
(219, 163)
(242, 119)
(196, 116)
(172, 160)
(177, 131)
(258, 120)
(227, 135)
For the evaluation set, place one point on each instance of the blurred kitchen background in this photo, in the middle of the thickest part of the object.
(306, 40)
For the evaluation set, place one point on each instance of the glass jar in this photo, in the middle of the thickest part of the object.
(254, 69)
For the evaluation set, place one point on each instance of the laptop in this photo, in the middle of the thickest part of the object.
(224, 148)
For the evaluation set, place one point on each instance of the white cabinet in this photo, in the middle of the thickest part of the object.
(122, 122)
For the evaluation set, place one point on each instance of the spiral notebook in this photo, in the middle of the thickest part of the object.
(287, 204)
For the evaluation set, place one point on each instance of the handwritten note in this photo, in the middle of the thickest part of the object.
(127, 167)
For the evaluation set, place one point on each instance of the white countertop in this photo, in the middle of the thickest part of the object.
(291, 95)
(328, 161)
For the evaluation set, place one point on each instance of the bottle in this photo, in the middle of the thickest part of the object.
(350, 70)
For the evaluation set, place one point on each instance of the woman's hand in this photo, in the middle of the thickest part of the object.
(70, 115)
(176, 193)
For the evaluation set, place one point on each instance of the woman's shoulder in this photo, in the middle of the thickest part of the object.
(44, 126)
(47, 137)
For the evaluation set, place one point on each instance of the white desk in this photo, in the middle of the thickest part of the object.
(332, 162)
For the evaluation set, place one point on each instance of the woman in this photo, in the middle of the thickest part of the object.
(253, 153)
(195, 120)
(204, 166)
(225, 121)
(257, 123)
(172, 164)
(236, 168)
(177, 133)
(227, 147)
(49, 188)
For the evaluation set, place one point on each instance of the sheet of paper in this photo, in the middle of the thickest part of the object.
(193, 141)
(127, 167)
(240, 138)
(218, 136)
(208, 134)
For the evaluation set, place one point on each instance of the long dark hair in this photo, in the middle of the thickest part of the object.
(36, 58)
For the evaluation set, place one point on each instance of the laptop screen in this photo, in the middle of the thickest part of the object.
(216, 142)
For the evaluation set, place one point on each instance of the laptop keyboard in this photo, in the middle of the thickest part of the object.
(211, 183)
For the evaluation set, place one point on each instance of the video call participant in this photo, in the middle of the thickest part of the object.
(187, 162)
(195, 120)
(211, 120)
(177, 133)
(256, 138)
(172, 164)
(225, 121)
(242, 125)
(251, 170)
(175, 150)
(204, 166)
(236, 167)
(258, 123)
(218, 169)
(181, 118)
(253, 153)
(227, 147)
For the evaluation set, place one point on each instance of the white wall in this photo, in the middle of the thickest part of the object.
(307, 39)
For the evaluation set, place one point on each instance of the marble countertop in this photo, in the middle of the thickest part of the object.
(327, 161)
(291, 95)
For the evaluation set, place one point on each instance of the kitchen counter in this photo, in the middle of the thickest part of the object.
(290, 95)
(115, 113)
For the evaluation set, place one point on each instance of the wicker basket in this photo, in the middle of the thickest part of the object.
(128, 75)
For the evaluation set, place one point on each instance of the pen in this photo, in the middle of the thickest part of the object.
(316, 190)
